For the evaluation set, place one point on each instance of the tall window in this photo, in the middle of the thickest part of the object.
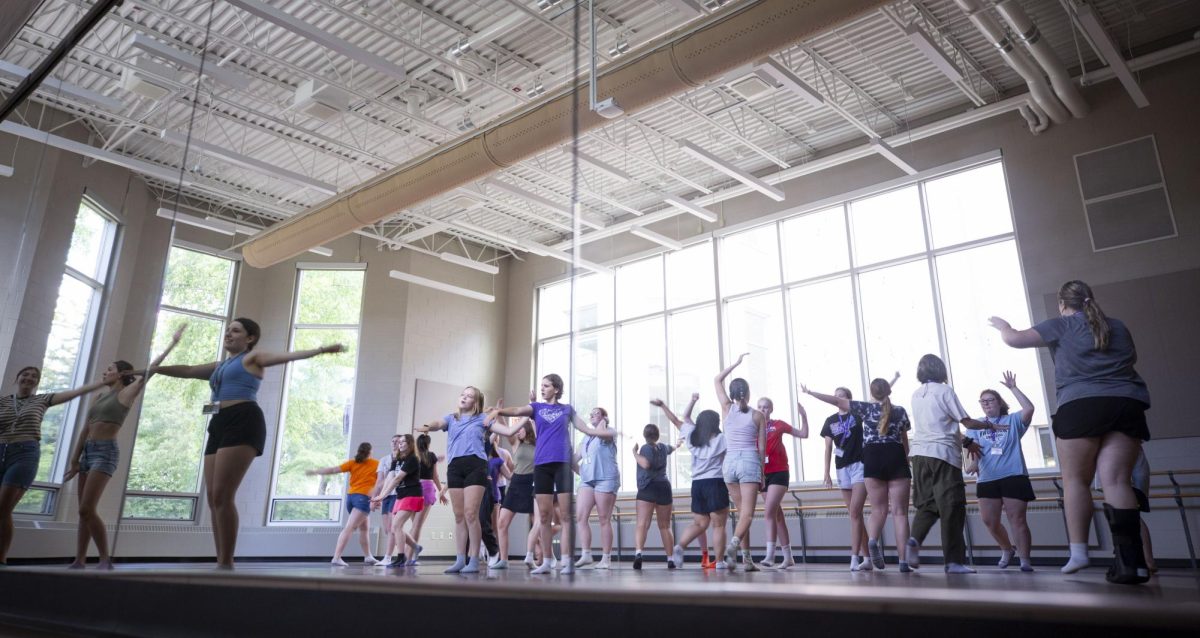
(316, 428)
(69, 345)
(833, 297)
(164, 473)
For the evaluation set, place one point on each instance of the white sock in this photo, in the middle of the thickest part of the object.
(1078, 560)
(855, 559)
(1006, 556)
(770, 552)
(787, 554)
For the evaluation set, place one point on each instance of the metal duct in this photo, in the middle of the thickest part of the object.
(1060, 79)
(1017, 58)
(687, 60)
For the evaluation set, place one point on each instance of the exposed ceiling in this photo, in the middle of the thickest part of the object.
(258, 158)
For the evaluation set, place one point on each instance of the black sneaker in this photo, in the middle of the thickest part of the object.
(670, 564)
(637, 562)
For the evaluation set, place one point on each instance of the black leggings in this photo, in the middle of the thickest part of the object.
(485, 523)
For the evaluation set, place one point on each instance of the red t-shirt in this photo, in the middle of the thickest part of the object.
(777, 458)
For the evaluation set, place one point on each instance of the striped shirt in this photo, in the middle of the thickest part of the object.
(21, 419)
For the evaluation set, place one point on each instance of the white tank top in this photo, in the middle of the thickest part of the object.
(740, 431)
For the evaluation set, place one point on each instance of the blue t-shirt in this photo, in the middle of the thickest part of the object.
(1001, 450)
(1081, 371)
(464, 436)
(553, 423)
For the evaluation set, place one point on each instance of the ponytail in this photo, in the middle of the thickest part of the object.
(364, 452)
(739, 391)
(884, 415)
(1077, 296)
(881, 391)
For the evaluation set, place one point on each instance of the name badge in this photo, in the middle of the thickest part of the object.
(839, 452)
(211, 408)
(996, 451)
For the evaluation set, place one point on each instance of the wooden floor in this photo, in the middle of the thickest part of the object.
(283, 598)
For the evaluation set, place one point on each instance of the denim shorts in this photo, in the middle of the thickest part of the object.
(360, 502)
(605, 486)
(850, 475)
(100, 456)
(389, 503)
(19, 463)
(742, 466)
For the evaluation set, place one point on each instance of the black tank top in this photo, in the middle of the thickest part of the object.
(426, 471)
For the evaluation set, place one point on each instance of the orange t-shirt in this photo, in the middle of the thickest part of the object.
(362, 475)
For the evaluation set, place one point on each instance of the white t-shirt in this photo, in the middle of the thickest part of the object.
(936, 414)
(707, 460)
(385, 467)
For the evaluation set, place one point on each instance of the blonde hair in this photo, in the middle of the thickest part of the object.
(478, 407)
(881, 390)
(1077, 296)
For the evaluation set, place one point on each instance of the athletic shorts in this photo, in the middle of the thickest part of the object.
(360, 502)
(709, 495)
(1017, 487)
(782, 477)
(657, 492)
(466, 471)
(519, 497)
(1093, 417)
(429, 491)
(409, 504)
(19, 463)
(605, 486)
(1143, 501)
(241, 424)
(99, 456)
(885, 461)
(742, 466)
(552, 478)
(850, 475)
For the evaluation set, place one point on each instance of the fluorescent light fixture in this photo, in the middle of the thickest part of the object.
(554, 253)
(933, 53)
(6, 171)
(688, 207)
(251, 163)
(562, 209)
(421, 233)
(469, 263)
(53, 86)
(217, 226)
(438, 285)
(885, 149)
(237, 228)
(731, 170)
(790, 81)
(511, 242)
(188, 61)
(658, 238)
(600, 165)
(322, 251)
(322, 37)
(1095, 30)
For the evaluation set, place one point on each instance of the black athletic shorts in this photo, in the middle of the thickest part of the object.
(657, 492)
(1142, 499)
(466, 471)
(240, 424)
(1017, 487)
(885, 461)
(709, 495)
(552, 478)
(782, 477)
(519, 497)
(1092, 417)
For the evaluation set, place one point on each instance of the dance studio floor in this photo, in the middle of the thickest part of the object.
(278, 598)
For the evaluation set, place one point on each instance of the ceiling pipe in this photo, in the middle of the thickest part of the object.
(685, 59)
(1017, 58)
(1060, 79)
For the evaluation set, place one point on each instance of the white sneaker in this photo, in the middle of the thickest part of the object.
(723, 565)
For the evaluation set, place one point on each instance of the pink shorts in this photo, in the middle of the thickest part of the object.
(429, 491)
(409, 504)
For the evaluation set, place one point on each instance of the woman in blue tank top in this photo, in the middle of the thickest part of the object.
(237, 430)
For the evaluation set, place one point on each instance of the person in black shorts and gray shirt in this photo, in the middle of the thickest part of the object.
(1100, 423)
(654, 493)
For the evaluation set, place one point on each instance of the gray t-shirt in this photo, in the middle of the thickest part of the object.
(1081, 371)
(657, 455)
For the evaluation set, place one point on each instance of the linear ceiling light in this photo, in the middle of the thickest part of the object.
(469, 263)
(731, 170)
(251, 163)
(237, 228)
(324, 38)
(215, 225)
(933, 53)
(421, 233)
(322, 251)
(600, 165)
(188, 61)
(53, 86)
(790, 81)
(688, 207)
(658, 238)
(517, 191)
(886, 150)
(546, 251)
(6, 170)
(1096, 31)
(438, 285)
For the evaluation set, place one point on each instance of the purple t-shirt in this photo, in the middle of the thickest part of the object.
(553, 422)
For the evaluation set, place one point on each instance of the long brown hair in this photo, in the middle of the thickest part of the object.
(530, 432)
(881, 390)
(410, 445)
(423, 451)
(364, 452)
(1077, 296)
